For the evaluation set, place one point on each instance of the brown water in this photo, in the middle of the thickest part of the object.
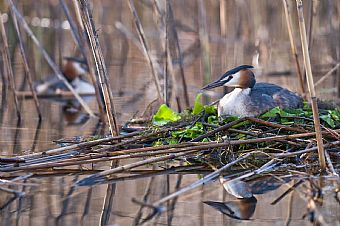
(254, 29)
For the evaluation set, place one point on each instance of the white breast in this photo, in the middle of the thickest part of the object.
(81, 86)
(234, 103)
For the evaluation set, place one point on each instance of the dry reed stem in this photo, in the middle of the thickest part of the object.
(100, 65)
(62, 94)
(161, 14)
(85, 49)
(293, 46)
(289, 154)
(219, 129)
(26, 67)
(54, 67)
(8, 64)
(87, 144)
(74, 30)
(99, 176)
(310, 83)
(278, 126)
(330, 164)
(223, 14)
(324, 77)
(165, 149)
(204, 40)
(172, 28)
(145, 47)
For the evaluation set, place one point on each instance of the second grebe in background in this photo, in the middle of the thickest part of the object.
(250, 98)
(73, 70)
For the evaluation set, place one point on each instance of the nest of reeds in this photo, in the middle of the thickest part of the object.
(277, 142)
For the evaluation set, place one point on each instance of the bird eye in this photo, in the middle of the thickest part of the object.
(231, 77)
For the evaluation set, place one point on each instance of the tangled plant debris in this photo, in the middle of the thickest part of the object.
(279, 142)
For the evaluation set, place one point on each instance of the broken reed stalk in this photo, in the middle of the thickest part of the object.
(78, 146)
(85, 49)
(26, 67)
(63, 94)
(289, 154)
(49, 60)
(97, 53)
(109, 154)
(324, 77)
(311, 87)
(293, 47)
(146, 50)
(99, 176)
(274, 125)
(8, 64)
(92, 143)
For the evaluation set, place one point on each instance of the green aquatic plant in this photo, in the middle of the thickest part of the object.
(203, 118)
(165, 115)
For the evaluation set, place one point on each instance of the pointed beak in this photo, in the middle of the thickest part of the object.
(217, 83)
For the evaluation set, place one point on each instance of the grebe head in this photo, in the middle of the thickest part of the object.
(239, 77)
(74, 67)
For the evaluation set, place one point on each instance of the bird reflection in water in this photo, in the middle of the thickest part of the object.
(244, 206)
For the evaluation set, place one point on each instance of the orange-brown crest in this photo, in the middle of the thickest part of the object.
(70, 71)
(247, 78)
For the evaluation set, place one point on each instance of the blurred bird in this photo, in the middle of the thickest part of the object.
(73, 70)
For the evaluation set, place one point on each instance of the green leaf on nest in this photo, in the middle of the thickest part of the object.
(198, 107)
(328, 119)
(165, 115)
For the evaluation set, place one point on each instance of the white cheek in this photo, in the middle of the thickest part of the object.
(79, 69)
(234, 81)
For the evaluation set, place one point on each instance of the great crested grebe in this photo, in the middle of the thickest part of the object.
(73, 69)
(250, 98)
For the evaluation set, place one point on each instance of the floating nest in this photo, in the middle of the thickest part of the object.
(279, 142)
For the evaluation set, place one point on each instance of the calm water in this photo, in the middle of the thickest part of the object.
(255, 34)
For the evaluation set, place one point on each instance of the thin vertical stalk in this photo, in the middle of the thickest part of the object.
(3, 102)
(293, 46)
(311, 87)
(7, 63)
(161, 13)
(47, 57)
(165, 48)
(310, 25)
(26, 67)
(74, 30)
(80, 40)
(108, 204)
(223, 17)
(204, 40)
(146, 50)
(97, 53)
(172, 26)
